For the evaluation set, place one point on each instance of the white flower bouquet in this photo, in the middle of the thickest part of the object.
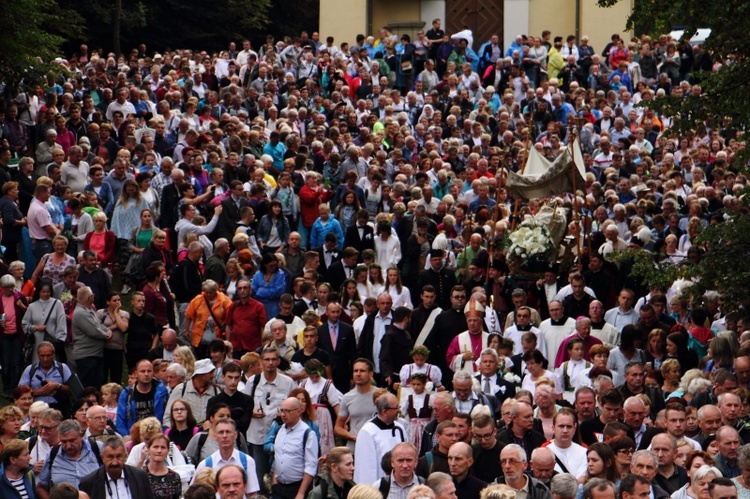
(531, 242)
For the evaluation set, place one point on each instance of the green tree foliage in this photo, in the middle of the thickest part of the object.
(172, 23)
(31, 36)
(724, 93)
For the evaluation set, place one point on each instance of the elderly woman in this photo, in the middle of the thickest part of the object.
(45, 319)
(15, 480)
(101, 241)
(52, 265)
(700, 477)
(13, 306)
(205, 317)
(31, 427)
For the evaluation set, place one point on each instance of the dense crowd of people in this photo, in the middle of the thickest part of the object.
(312, 244)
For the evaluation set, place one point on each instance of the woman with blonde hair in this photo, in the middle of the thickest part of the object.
(497, 491)
(184, 356)
(234, 275)
(363, 491)
(150, 428)
(11, 419)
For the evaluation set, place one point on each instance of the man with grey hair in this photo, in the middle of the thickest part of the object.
(175, 374)
(543, 465)
(583, 332)
(442, 485)
(564, 486)
(645, 464)
(115, 478)
(74, 458)
(353, 162)
(75, 171)
(376, 437)
(599, 488)
(89, 336)
(464, 394)
(216, 265)
(444, 408)
(635, 412)
(513, 462)
(491, 380)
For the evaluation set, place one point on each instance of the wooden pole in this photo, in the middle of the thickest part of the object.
(517, 205)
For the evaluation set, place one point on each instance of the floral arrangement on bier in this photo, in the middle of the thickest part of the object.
(531, 242)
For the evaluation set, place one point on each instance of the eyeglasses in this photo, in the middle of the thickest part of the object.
(179, 409)
(46, 428)
(483, 437)
(628, 452)
(287, 411)
(510, 461)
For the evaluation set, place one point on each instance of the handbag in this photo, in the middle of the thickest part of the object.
(406, 66)
(58, 344)
(27, 351)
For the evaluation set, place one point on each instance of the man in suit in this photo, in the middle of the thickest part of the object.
(396, 345)
(491, 383)
(328, 254)
(360, 235)
(344, 268)
(115, 478)
(337, 339)
(635, 411)
(307, 302)
(232, 205)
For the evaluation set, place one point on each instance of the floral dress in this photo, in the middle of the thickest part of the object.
(167, 486)
(55, 272)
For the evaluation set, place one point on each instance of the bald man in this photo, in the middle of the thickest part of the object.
(460, 460)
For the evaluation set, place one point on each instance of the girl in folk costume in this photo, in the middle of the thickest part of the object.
(433, 376)
(326, 399)
(570, 370)
(417, 407)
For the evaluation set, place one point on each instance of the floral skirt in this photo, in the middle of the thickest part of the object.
(416, 426)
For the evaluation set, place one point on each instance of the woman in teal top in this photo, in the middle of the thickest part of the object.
(139, 240)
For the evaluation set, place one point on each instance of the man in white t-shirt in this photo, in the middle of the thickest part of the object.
(569, 456)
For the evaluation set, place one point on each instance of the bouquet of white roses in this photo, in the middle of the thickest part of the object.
(531, 242)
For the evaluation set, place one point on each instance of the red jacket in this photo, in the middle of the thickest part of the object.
(309, 201)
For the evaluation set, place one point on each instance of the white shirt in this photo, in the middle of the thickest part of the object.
(217, 463)
(573, 457)
(117, 489)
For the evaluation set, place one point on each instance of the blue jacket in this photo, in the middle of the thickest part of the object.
(263, 232)
(8, 491)
(126, 415)
(269, 293)
(319, 231)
